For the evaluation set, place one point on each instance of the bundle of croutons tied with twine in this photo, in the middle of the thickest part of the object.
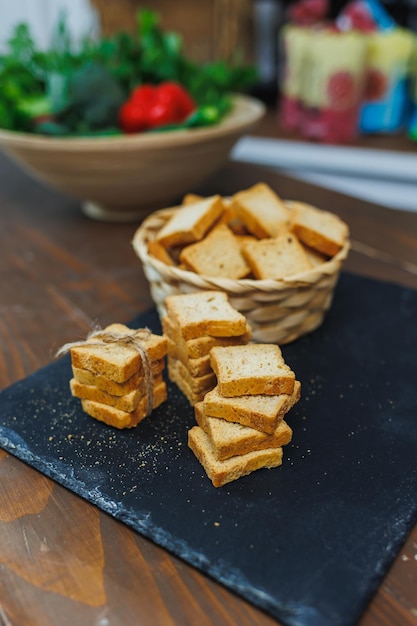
(118, 374)
(278, 261)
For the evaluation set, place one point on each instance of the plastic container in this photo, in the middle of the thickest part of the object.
(386, 105)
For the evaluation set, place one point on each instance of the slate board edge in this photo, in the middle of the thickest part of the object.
(287, 614)
(158, 536)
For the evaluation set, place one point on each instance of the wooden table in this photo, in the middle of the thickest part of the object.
(63, 561)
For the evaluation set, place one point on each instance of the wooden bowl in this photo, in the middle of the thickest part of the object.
(124, 178)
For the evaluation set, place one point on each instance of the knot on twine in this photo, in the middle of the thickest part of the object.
(135, 339)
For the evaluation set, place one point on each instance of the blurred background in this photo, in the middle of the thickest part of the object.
(211, 29)
(332, 74)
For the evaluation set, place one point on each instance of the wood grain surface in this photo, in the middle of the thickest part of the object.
(62, 561)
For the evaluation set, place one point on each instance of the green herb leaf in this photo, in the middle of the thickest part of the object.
(84, 89)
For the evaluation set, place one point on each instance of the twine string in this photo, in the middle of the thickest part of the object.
(135, 339)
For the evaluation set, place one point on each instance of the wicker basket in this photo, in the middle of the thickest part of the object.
(279, 311)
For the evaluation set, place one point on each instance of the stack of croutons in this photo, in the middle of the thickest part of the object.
(194, 324)
(119, 380)
(241, 425)
(254, 234)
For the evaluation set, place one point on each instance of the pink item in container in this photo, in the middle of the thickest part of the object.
(294, 44)
(333, 85)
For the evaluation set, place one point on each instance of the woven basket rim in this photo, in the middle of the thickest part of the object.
(171, 273)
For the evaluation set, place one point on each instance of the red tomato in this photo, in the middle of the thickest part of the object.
(177, 98)
(161, 114)
(144, 94)
(133, 117)
(151, 107)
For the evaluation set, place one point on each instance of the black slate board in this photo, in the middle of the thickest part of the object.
(308, 542)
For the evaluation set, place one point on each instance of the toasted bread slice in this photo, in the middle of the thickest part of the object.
(190, 222)
(321, 230)
(315, 258)
(217, 255)
(123, 419)
(191, 198)
(205, 313)
(129, 402)
(158, 251)
(117, 361)
(253, 369)
(116, 389)
(201, 346)
(196, 367)
(229, 216)
(276, 258)
(156, 346)
(261, 210)
(230, 439)
(260, 412)
(244, 239)
(196, 383)
(222, 472)
(193, 396)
